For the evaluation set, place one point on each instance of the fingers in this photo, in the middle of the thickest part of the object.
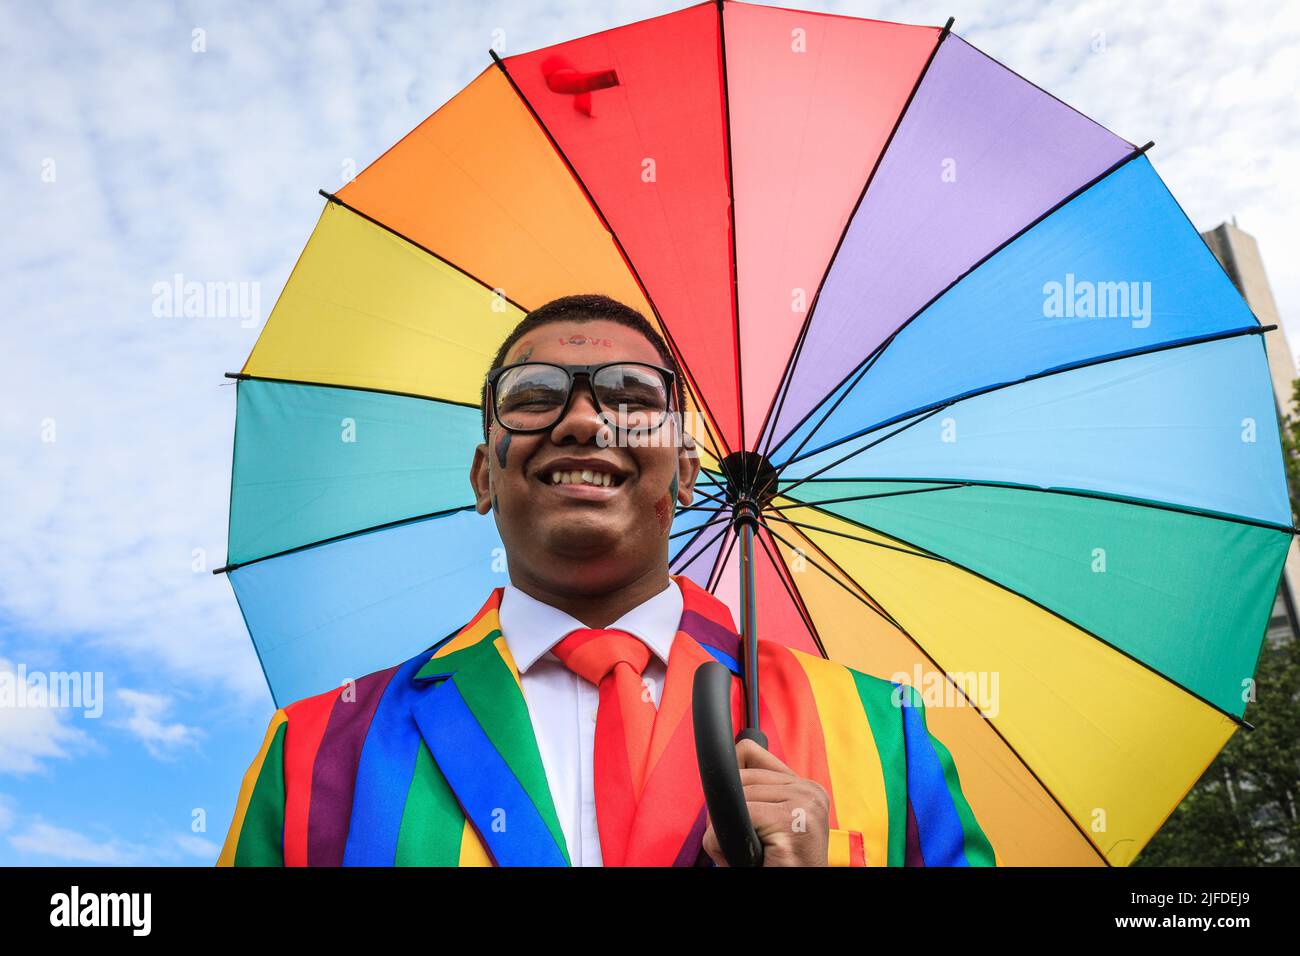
(712, 847)
(750, 754)
(789, 820)
(771, 818)
(789, 813)
(755, 775)
(775, 782)
(773, 793)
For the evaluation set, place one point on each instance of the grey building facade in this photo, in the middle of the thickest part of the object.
(1239, 254)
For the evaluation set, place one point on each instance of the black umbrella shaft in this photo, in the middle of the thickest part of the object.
(749, 623)
(751, 483)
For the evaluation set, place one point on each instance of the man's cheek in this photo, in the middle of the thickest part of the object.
(503, 447)
(664, 514)
(664, 511)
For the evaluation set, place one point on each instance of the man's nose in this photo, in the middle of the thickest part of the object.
(581, 419)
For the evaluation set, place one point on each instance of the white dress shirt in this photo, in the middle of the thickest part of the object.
(562, 705)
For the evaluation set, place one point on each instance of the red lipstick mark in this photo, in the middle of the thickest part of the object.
(664, 511)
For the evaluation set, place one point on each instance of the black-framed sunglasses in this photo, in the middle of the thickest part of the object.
(531, 397)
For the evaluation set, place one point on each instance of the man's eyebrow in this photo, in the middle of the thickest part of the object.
(524, 356)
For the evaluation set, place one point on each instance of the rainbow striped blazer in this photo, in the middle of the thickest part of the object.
(433, 762)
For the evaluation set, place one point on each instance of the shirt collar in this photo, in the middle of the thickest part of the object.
(531, 628)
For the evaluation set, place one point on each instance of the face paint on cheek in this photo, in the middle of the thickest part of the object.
(664, 511)
(495, 509)
(503, 447)
(664, 506)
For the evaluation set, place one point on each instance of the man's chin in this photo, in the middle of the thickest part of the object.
(574, 541)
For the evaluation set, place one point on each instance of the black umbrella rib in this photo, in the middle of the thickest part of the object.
(839, 461)
(618, 243)
(795, 597)
(331, 197)
(701, 526)
(773, 415)
(940, 669)
(342, 537)
(947, 484)
(722, 502)
(698, 528)
(865, 497)
(869, 601)
(928, 410)
(1240, 722)
(681, 569)
(733, 266)
(928, 555)
(245, 377)
(711, 448)
(707, 506)
(715, 577)
(1047, 93)
(866, 363)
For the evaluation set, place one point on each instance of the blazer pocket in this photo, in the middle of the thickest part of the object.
(846, 849)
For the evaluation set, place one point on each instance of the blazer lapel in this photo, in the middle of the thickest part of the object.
(668, 828)
(475, 723)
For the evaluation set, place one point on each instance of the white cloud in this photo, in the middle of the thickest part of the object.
(30, 737)
(50, 842)
(197, 847)
(7, 810)
(60, 843)
(147, 723)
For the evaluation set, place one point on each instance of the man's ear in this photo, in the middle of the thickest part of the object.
(688, 465)
(479, 479)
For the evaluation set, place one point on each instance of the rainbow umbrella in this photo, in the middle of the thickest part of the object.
(982, 410)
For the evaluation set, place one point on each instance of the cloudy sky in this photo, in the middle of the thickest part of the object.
(130, 158)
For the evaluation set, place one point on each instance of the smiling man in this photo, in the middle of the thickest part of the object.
(554, 728)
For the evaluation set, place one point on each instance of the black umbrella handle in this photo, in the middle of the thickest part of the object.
(715, 749)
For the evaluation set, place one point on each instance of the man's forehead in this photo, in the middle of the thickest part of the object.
(565, 343)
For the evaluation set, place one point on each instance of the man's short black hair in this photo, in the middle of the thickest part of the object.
(584, 308)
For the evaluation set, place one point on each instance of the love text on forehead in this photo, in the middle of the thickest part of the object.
(584, 340)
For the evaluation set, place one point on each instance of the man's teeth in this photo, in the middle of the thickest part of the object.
(599, 478)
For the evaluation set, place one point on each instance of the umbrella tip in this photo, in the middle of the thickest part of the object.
(947, 27)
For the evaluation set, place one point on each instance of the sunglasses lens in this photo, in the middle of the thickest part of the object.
(632, 397)
(531, 396)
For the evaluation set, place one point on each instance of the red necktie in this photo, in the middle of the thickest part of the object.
(613, 661)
